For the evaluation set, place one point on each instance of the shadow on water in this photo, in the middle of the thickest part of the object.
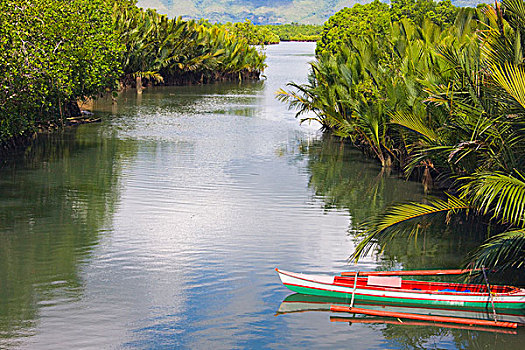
(58, 197)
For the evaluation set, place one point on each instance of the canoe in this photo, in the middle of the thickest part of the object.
(393, 289)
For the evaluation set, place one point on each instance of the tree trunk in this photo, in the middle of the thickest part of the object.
(427, 180)
(71, 109)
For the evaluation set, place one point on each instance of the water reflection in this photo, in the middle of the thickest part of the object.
(224, 98)
(57, 199)
(364, 190)
(303, 302)
(345, 178)
(411, 334)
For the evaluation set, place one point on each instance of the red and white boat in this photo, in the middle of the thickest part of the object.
(393, 289)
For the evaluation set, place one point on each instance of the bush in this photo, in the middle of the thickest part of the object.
(53, 53)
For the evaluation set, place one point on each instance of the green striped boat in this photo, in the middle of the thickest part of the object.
(392, 289)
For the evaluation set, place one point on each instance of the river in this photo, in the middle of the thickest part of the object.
(161, 226)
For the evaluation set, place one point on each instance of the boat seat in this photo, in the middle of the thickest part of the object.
(381, 281)
(454, 290)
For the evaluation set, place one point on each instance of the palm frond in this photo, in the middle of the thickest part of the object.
(407, 218)
(504, 251)
(413, 123)
(515, 10)
(511, 78)
(501, 194)
(151, 75)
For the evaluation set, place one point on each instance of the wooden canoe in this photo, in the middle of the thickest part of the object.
(395, 290)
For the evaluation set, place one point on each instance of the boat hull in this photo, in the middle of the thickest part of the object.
(324, 286)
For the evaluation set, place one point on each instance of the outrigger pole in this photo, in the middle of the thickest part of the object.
(490, 295)
(353, 291)
(371, 320)
(470, 321)
(408, 273)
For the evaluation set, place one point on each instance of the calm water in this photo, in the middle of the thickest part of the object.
(161, 227)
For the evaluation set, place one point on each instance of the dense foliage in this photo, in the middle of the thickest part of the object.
(273, 34)
(445, 103)
(373, 20)
(174, 51)
(53, 52)
(296, 32)
(442, 12)
(254, 35)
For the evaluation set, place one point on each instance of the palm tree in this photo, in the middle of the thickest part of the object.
(482, 142)
(342, 92)
(160, 49)
(449, 101)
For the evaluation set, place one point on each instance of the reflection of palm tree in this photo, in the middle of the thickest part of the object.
(347, 180)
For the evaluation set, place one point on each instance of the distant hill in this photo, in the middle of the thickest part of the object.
(260, 11)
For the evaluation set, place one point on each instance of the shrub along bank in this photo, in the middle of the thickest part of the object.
(54, 53)
(51, 54)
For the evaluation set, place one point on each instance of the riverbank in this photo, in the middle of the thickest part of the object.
(18, 144)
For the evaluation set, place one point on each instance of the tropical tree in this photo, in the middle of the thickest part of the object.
(295, 31)
(482, 143)
(173, 51)
(254, 35)
(351, 22)
(53, 53)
